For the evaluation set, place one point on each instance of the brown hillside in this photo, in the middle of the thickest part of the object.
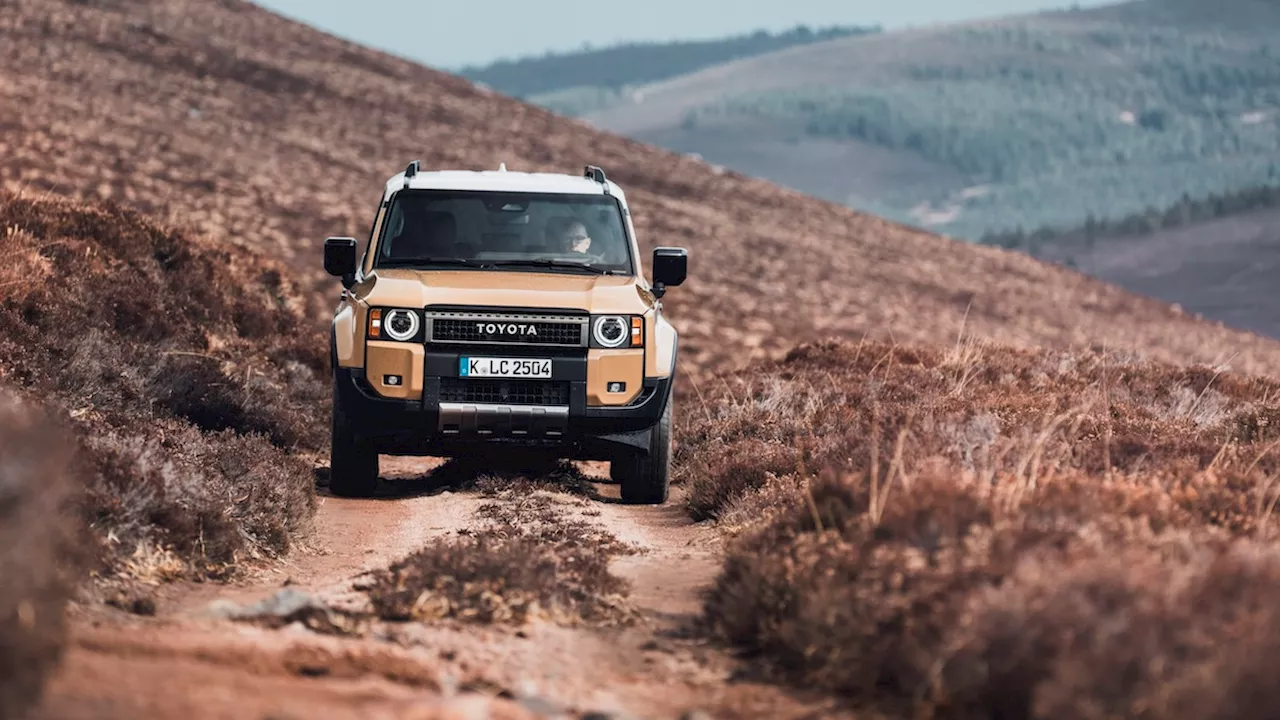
(1224, 267)
(190, 379)
(261, 131)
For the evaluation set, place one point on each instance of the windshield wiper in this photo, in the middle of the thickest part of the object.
(417, 262)
(548, 263)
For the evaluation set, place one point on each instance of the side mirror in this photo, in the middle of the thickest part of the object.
(340, 259)
(670, 266)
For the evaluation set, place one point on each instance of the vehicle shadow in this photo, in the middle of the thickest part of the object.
(607, 499)
(485, 477)
(401, 486)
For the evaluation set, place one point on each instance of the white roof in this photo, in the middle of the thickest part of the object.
(502, 181)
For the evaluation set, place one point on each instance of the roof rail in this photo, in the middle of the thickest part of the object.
(595, 173)
(410, 171)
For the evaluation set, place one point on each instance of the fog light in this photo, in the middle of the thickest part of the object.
(617, 387)
(393, 380)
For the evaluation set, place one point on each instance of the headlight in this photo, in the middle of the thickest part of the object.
(610, 331)
(395, 324)
(401, 324)
(617, 331)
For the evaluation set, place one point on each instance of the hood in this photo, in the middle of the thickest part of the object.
(562, 290)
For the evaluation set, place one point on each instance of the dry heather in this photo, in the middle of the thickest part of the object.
(188, 371)
(528, 561)
(976, 408)
(996, 533)
(37, 558)
(259, 131)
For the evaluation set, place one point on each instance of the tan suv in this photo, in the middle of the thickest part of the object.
(502, 314)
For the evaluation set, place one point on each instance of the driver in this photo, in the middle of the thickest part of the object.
(568, 235)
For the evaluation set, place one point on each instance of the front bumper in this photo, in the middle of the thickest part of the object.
(448, 429)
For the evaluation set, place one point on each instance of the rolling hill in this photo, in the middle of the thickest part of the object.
(1215, 257)
(1223, 268)
(577, 82)
(260, 132)
(966, 129)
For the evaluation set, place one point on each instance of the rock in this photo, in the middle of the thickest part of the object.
(136, 602)
(224, 609)
(143, 606)
(607, 715)
(463, 707)
(286, 607)
(286, 603)
(541, 707)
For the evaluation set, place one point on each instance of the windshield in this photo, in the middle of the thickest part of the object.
(516, 231)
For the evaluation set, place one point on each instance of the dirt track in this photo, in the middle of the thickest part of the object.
(183, 663)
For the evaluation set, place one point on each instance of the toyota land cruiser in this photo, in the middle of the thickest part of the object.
(499, 313)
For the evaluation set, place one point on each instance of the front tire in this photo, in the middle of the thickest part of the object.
(645, 479)
(353, 464)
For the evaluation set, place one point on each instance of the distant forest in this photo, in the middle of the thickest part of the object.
(1050, 134)
(1184, 213)
(614, 68)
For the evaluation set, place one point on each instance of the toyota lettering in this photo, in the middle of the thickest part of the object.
(512, 329)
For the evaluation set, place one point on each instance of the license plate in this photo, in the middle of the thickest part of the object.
(504, 367)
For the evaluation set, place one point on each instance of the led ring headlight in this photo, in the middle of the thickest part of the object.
(610, 331)
(396, 326)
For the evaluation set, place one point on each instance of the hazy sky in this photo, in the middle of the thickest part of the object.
(451, 33)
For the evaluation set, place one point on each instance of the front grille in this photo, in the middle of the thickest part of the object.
(491, 391)
(567, 331)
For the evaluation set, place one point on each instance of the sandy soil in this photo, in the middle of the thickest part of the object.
(187, 663)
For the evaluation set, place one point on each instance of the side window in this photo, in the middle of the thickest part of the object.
(394, 223)
(366, 258)
(631, 231)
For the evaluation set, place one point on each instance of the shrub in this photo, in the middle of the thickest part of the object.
(213, 498)
(1184, 631)
(529, 562)
(993, 533)
(191, 373)
(847, 406)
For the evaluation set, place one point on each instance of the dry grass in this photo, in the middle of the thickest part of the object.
(37, 560)
(1186, 629)
(208, 499)
(188, 371)
(1026, 543)
(528, 561)
(852, 406)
